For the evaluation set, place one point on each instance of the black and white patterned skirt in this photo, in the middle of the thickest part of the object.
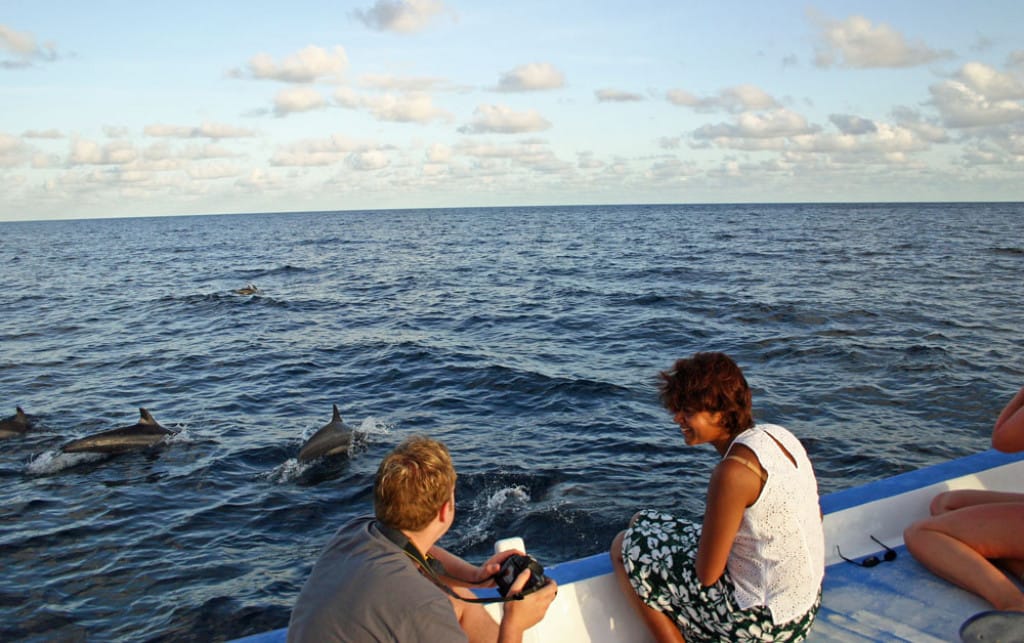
(660, 553)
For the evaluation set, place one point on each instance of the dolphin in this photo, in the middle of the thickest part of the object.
(143, 434)
(15, 425)
(333, 438)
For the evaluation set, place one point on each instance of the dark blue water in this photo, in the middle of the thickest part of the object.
(888, 337)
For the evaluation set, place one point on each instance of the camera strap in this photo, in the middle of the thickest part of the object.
(433, 568)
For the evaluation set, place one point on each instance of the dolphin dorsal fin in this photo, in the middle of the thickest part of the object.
(145, 417)
(18, 412)
(337, 414)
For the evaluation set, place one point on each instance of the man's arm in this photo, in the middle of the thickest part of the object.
(464, 574)
(522, 615)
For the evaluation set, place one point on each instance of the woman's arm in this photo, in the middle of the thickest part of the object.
(1008, 434)
(732, 489)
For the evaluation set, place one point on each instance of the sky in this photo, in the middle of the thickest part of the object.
(111, 108)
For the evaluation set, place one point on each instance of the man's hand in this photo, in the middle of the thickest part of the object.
(523, 614)
(486, 572)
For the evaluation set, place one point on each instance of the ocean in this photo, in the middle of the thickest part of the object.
(886, 336)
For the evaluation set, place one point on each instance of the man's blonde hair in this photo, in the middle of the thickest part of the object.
(412, 483)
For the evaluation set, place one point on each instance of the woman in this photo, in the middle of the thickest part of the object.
(972, 533)
(753, 569)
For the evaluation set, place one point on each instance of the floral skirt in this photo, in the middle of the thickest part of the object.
(659, 552)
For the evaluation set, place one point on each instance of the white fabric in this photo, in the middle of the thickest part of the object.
(778, 557)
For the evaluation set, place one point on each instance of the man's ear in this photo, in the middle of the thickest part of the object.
(445, 513)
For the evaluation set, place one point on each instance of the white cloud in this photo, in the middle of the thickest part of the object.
(205, 130)
(85, 152)
(774, 124)
(367, 161)
(989, 82)
(853, 125)
(1016, 60)
(438, 153)
(740, 98)
(48, 133)
(395, 83)
(298, 99)
(616, 96)
(531, 77)
(402, 16)
(671, 170)
(24, 47)
(856, 42)
(318, 152)
(13, 151)
(413, 107)
(962, 106)
(305, 66)
(500, 119)
(212, 171)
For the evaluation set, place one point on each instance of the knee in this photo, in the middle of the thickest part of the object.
(615, 552)
(942, 503)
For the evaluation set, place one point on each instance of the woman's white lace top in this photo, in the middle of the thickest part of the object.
(778, 557)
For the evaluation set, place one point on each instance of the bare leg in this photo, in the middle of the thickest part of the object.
(661, 626)
(952, 500)
(960, 546)
(474, 619)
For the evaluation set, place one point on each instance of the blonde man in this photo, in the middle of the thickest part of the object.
(384, 578)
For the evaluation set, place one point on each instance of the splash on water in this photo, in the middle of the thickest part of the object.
(49, 462)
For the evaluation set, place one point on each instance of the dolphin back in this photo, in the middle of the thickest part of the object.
(15, 424)
(333, 438)
(141, 435)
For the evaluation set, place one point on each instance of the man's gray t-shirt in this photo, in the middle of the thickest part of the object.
(365, 588)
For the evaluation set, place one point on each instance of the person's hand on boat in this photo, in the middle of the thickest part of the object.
(521, 615)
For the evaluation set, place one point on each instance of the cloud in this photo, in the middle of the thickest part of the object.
(885, 143)
(367, 161)
(394, 83)
(412, 107)
(438, 153)
(853, 125)
(500, 119)
(292, 100)
(774, 124)
(740, 98)
(402, 16)
(586, 161)
(49, 133)
(671, 170)
(1016, 60)
(533, 155)
(306, 66)
(212, 171)
(24, 48)
(857, 43)
(318, 152)
(13, 151)
(206, 130)
(616, 96)
(962, 106)
(85, 152)
(531, 77)
(989, 82)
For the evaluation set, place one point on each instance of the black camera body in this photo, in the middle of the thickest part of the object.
(515, 565)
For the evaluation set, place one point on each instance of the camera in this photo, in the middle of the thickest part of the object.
(512, 567)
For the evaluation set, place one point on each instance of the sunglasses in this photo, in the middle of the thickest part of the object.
(871, 561)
